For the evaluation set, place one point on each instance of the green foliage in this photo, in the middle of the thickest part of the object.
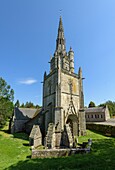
(91, 104)
(5, 90)
(111, 106)
(29, 105)
(37, 106)
(6, 101)
(22, 105)
(6, 110)
(17, 104)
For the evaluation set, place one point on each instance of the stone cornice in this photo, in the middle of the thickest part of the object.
(70, 94)
(70, 74)
(51, 73)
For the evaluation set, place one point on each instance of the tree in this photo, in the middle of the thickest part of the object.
(37, 106)
(111, 106)
(6, 101)
(29, 105)
(91, 104)
(17, 104)
(22, 105)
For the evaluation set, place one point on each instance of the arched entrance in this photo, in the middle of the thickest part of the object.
(72, 120)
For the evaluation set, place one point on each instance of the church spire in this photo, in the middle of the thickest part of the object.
(60, 42)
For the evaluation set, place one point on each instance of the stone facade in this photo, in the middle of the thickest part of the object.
(63, 99)
(97, 114)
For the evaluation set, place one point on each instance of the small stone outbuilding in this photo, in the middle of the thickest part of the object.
(97, 114)
(20, 117)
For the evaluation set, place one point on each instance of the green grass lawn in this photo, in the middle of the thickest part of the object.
(15, 152)
(13, 148)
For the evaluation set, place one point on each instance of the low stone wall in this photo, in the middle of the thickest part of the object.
(48, 153)
(105, 129)
(54, 153)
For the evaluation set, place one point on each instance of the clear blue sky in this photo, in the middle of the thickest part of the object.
(28, 31)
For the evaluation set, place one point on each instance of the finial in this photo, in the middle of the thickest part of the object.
(71, 48)
(50, 57)
(45, 74)
(80, 72)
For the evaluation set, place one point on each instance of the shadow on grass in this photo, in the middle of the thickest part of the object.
(5, 131)
(26, 144)
(29, 156)
(19, 135)
(101, 158)
(101, 133)
(22, 136)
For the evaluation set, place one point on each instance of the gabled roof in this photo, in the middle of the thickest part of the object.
(24, 113)
(95, 109)
(37, 113)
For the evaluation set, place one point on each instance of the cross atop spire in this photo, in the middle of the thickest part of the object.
(60, 42)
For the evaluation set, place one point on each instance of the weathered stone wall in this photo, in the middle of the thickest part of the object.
(19, 125)
(50, 137)
(95, 117)
(38, 120)
(105, 129)
(54, 153)
(49, 88)
(50, 153)
(97, 114)
(66, 94)
(49, 92)
(107, 114)
(35, 138)
(67, 138)
(82, 122)
(30, 124)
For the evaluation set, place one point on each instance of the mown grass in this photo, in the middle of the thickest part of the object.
(14, 155)
(13, 148)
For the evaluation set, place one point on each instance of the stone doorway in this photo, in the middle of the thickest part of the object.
(72, 121)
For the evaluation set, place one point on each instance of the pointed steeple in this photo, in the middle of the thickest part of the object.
(60, 24)
(60, 42)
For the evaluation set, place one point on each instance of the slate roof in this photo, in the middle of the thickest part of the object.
(95, 110)
(24, 113)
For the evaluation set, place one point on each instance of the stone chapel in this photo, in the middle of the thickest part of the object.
(62, 116)
(63, 98)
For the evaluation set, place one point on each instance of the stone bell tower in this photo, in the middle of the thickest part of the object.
(63, 99)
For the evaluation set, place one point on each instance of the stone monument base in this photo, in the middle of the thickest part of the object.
(54, 153)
